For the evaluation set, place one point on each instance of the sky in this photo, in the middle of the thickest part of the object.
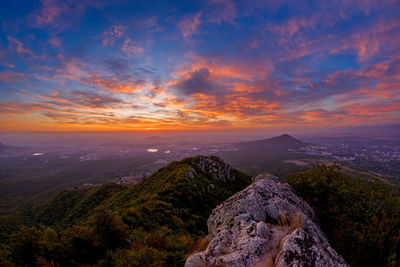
(85, 65)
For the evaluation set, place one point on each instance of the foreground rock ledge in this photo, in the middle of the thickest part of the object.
(266, 224)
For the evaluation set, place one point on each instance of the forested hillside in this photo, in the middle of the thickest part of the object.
(361, 218)
(162, 220)
(159, 221)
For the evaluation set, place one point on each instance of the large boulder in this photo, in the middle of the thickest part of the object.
(266, 224)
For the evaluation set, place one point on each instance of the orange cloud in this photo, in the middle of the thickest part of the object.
(258, 79)
(114, 83)
(220, 70)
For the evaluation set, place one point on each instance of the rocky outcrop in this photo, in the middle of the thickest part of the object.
(211, 166)
(266, 224)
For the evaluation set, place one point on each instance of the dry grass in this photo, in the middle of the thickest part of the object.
(198, 246)
(297, 221)
(270, 263)
(294, 221)
(267, 262)
(283, 220)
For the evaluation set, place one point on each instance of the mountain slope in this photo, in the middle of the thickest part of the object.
(284, 141)
(182, 191)
(268, 155)
(189, 188)
(71, 206)
(166, 213)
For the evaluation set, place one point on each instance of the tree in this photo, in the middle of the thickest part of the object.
(30, 244)
(361, 218)
(109, 231)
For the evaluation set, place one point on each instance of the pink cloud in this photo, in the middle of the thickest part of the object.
(49, 12)
(59, 14)
(291, 27)
(71, 69)
(16, 45)
(190, 25)
(215, 11)
(9, 65)
(254, 44)
(112, 34)
(11, 76)
(55, 41)
(130, 48)
(221, 10)
(368, 43)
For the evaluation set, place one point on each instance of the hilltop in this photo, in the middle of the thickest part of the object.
(266, 155)
(284, 141)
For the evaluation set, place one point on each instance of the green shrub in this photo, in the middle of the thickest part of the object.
(361, 218)
(30, 244)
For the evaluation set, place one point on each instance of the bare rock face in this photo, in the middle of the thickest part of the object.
(218, 170)
(266, 224)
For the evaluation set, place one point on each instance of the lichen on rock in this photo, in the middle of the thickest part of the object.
(266, 224)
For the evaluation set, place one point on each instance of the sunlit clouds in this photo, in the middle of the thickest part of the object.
(215, 64)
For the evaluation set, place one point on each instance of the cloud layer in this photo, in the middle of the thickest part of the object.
(80, 65)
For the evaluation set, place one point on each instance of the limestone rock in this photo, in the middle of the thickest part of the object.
(266, 224)
(217, 169)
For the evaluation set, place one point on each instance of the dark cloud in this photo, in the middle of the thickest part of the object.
(90, 99)
(146, 70)
(117, 65)
(198, 82)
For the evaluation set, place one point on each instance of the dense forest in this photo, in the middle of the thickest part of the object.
(162, 220)
(159, 221)
(361, 218)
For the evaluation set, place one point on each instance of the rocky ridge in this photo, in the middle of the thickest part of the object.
(266, 224)
(211, 166)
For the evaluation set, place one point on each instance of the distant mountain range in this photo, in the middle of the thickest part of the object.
(7, 150)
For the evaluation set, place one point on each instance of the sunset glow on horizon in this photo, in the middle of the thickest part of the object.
(84, 65)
